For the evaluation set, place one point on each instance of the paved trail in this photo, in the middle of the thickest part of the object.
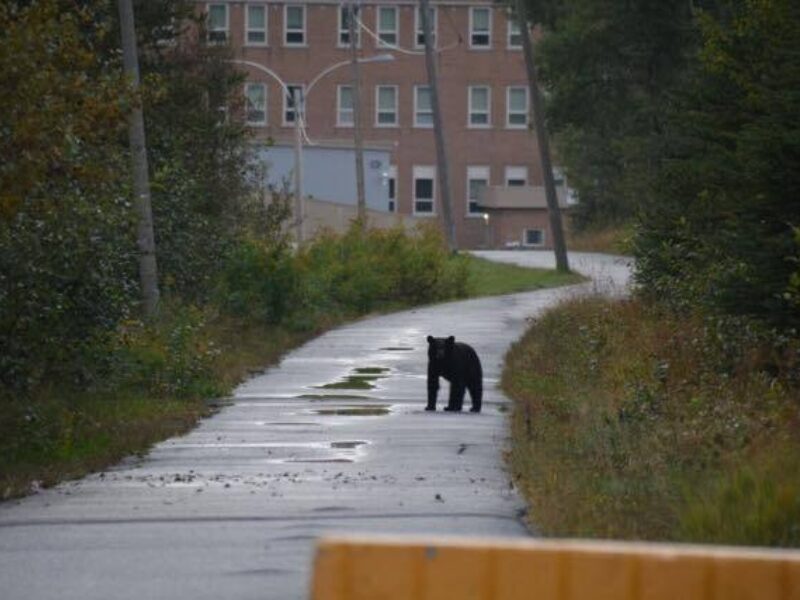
(231, 509)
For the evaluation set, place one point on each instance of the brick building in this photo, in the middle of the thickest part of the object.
(483, 94)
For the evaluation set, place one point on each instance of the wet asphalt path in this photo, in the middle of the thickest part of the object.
(231, 509)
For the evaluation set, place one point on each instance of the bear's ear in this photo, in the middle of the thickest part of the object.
(451, 340)
(430, 339)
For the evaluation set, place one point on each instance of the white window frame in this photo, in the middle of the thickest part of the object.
(378, 111)
(248, 29)
(423, 172)
(418, 34)
(525, 237)
(417, 123)
(227, 28)
(345, 31)
(287, 31)
(515, 172)
(247, 120)
(302, 87)
(340, 110)
(391, 176)
(473, 33)
(476, 172)
(471, 111)
(381, 32)
(509, 113)
(511, 30)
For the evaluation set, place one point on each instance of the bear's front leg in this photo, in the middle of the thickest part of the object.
(433, 388)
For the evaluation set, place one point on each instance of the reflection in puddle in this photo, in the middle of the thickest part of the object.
(371, 370)
(347, 445)
(397, 349)
(367, 410)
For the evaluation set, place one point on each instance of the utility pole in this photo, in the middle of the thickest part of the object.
(553, 210)
(356, 86)
(438, 126)
(148, 271)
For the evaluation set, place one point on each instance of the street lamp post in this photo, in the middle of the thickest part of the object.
(299, 124)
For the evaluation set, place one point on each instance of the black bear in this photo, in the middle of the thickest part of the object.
(460, 365)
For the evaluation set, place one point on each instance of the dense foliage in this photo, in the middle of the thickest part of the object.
(682, 117)
(719, 230)
(67, 247)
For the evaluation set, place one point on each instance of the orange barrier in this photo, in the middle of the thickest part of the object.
(458, 569)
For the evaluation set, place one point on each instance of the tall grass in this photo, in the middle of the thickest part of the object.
(632, 423)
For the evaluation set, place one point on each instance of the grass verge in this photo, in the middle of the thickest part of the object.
(487, 278)
(634, 424)
(170, 374)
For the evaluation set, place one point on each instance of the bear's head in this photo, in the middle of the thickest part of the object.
(440, 349)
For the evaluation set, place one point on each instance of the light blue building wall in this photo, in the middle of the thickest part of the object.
(329, 173)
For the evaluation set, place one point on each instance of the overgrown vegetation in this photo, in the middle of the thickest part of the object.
(633, 423)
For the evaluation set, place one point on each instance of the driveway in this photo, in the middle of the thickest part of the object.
(231, 509)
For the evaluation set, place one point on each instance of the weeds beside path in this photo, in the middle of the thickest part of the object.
(632, 423)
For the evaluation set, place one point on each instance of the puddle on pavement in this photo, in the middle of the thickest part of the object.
(290, 424)
(372, 370)
(361, 379)
(396, 349)
(347, 445)
(367, 410)
(320, 397)
(318, 460)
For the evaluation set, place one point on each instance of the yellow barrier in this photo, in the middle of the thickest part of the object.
(457, 569)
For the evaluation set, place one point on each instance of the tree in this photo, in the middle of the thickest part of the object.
(719, 231)
(608, 67)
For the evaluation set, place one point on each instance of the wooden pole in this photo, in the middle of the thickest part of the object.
(148, 270)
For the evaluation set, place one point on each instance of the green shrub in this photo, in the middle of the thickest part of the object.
(172, 357)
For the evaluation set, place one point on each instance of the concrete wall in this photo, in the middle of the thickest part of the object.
(337, 217)
(330, 173)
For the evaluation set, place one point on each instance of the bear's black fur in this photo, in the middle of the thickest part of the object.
(459, 364)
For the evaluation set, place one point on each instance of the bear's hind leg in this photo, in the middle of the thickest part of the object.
(476, 393)
(456, 400)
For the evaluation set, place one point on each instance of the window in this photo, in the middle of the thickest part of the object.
(256, 102)
(391, 181)
(514, 36)
(533, 237)
(344, 106)
(424, 190)
(386, 106)
(256, 25)
(294, 18)
(344, 26)
(290, 102)
(419, 38)
(388, 32)
(477, 182)
(423, 109)
(517, 107)
(516, 176)
(480, 27)
(218, 23)
(480, 106)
